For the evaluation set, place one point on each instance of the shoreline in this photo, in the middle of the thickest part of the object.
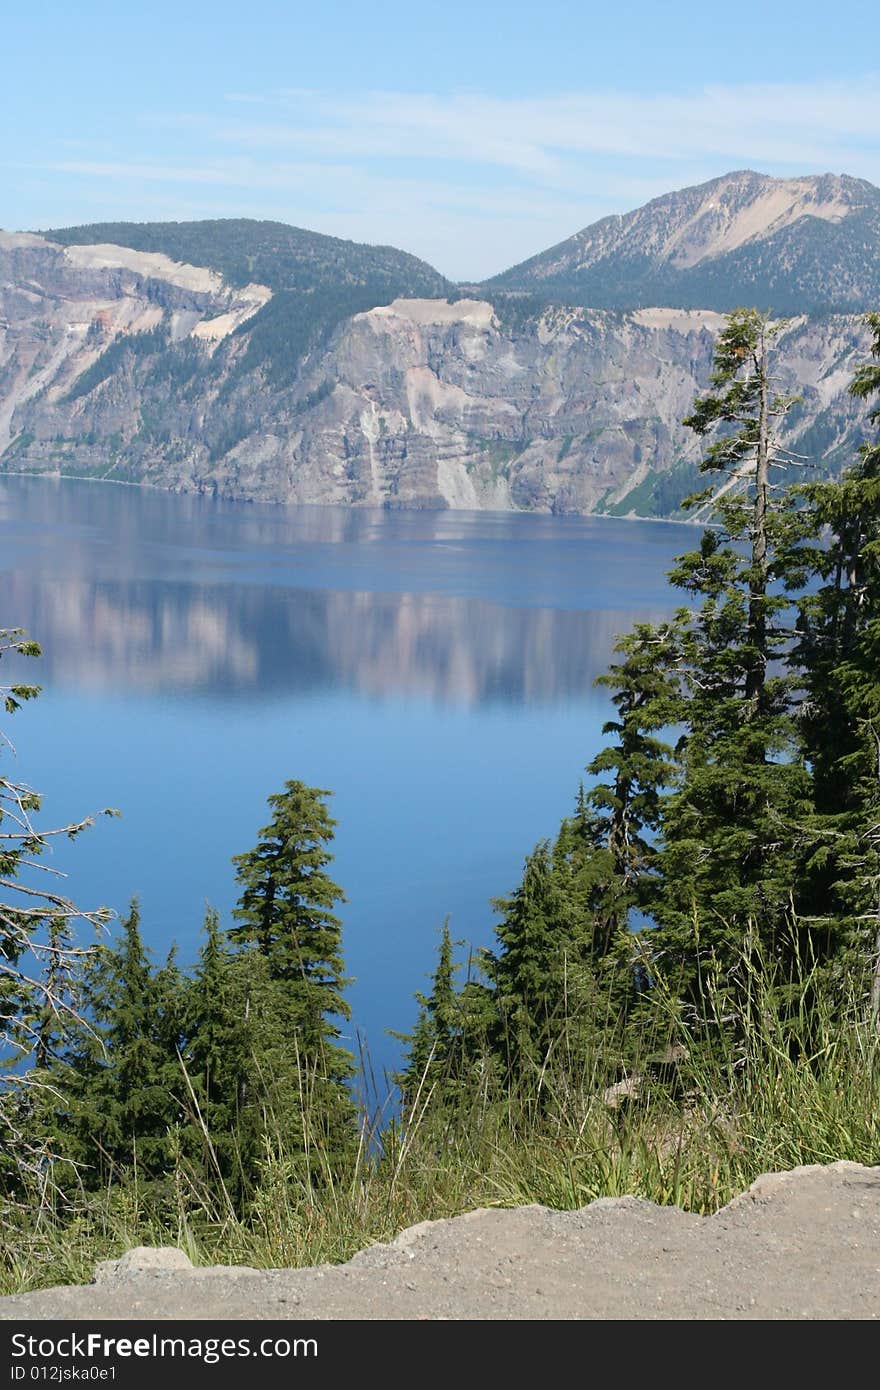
(347, 506)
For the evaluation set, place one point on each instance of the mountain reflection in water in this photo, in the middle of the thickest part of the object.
(434, 670)
(235, 639)
(129, 589)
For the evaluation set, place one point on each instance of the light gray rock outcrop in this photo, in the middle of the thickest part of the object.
(143, 1259)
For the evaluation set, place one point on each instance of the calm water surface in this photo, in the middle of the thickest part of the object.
(433, 669)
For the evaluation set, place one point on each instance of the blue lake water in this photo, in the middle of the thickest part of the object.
(434, 670)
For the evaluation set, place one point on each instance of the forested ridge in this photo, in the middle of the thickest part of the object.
(317, 281)
(683, 990)
(243, 251)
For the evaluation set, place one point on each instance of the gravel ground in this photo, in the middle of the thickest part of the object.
(804, 1244)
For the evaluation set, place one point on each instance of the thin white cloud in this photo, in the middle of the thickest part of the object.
(471, 182)
(347, 184)
(781, 122)
(241, 173)
(340, 133)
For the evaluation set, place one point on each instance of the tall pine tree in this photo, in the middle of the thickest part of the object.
(285, 916)
(728, 831)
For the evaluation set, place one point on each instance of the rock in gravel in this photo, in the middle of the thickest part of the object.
(803, 1244)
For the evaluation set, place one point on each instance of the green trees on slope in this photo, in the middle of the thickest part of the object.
(646, 696)
(436, 1058)
(228, 1070)
(118, 1069)
(735, 814)
(222, 1082)
(838, 651)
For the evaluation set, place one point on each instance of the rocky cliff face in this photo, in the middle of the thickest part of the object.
(126, 365)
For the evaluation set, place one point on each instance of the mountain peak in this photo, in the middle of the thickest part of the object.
(793, 243)
(721, 216)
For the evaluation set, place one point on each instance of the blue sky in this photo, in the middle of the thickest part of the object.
(471, 134)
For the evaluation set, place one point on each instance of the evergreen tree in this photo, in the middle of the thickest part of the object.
(537, 974)
(284, 916)
(728, 830)
(567, 960)
(120, 1075)
(744, 411)
(225, 1125)
(527, 969)
(647, 697)
(838, 650)
(435, 1048)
